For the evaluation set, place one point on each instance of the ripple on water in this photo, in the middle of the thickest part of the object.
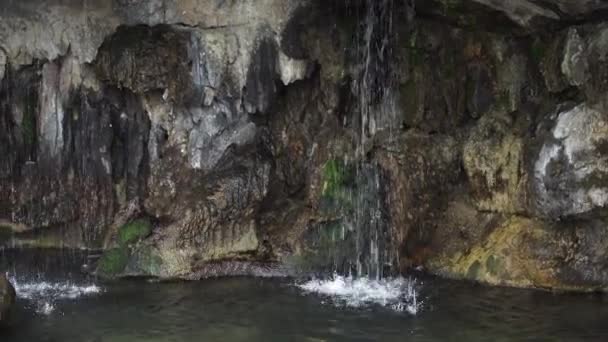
(398, 294)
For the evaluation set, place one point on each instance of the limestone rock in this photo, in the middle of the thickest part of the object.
(521, 11)
(47, 29)
(253, 133)
(96, 117)
(583, 51)
(525, 12)
(520, 252)
(494, 163)
(575, 65)
(517, 252)
(572, 167)
(420, 172)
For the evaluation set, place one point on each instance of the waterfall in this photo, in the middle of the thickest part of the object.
(357, 240)
(360, 246)
(374, 83)
(377, 112)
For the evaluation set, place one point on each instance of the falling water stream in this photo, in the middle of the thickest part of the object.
(43, 278)
(367, 276)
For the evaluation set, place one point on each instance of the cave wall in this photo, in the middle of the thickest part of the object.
(190, 138)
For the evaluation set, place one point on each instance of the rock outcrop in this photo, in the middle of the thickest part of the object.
(7, 299)
(197, 138)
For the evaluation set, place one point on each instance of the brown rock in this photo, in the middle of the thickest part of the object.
(7, 298)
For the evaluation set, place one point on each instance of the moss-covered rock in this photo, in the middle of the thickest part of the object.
(134, 231)
(113, 262)
(337, 186)
(523, 252)
(505, 257)
(538, 51)
(146, 261)
(335, 177)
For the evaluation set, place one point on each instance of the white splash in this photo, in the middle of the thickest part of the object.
(45, 308)
(396, 293)
(44, 294)
(33, 290)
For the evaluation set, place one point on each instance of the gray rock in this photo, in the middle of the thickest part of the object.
(575, 65)
(2, 63)
(226, 122)
(47, 29)
(521, 11)
(572, 167)
(526, 12)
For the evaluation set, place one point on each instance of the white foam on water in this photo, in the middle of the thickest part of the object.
(398, 294)
(45, 308)
(44, 294)
(33, 290)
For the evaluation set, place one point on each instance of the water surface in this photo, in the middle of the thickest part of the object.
(245, 309)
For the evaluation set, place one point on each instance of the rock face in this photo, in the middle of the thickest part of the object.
(191, 139)
(571, 171)
(7, 299)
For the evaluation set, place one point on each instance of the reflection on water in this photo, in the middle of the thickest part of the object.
(244, 309)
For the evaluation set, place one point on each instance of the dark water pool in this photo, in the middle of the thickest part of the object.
(73, 308)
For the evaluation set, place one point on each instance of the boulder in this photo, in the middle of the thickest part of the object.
(7, 298)
(520, 252)
(571, 170)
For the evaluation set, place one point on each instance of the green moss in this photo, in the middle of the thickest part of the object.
(113, 262)
(538, 51)
(335, 177)
(338, 182)
(473, 271)
(134, 231)
(494, 265)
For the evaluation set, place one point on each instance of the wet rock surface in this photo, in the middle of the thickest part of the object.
(468, 138)
(7, 299)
